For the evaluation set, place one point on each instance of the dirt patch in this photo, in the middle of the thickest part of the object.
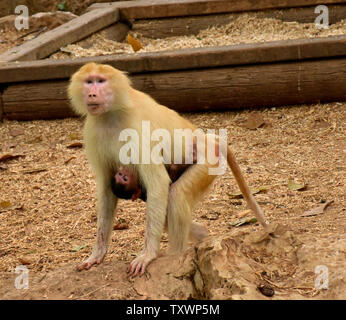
(48, 214)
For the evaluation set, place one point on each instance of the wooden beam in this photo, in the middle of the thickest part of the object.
(199, 90)
(267, 52)
(179, 26)
(146, 9)
(248, 86)
(70, 32)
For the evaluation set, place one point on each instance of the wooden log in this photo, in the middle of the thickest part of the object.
(70, 32)
(147, 9)
(168, 27)
(200, 90)
(268, 52)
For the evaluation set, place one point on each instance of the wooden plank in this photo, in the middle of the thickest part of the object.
(168, 27)
(200, 90)
(146, 9)
(40, 109)
(248, 86)
(268, 52)
(70, 32)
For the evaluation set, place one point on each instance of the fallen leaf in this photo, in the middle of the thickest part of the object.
(7, 205)
(34, 170)
(8, 156)
(239, 195)
(318, 210)
(254, 121)
(74, 136)
(75, 145)
(3, 166)
(14, 132)
(135, 44)
(243, 221)
(78, 248)
(294, 186)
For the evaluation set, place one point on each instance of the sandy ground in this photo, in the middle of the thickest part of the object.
(47, 193)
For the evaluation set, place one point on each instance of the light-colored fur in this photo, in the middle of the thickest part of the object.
(169, 205)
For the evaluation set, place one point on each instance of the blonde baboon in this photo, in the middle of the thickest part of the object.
(113, 108)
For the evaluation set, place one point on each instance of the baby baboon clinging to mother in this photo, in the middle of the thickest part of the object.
(114, 109)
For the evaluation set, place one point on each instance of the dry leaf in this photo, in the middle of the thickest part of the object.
(8, 156)
(239, 195)
(7, 205)
(135, 44)
(78, 248)
(14, 132)
(74, 136)
(254, 121)
(294, 186)
(243, 221)
(34, 170)
(3, 166)
(75, 145)
(318, 210)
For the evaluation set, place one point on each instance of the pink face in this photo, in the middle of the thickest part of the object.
(97, 94)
